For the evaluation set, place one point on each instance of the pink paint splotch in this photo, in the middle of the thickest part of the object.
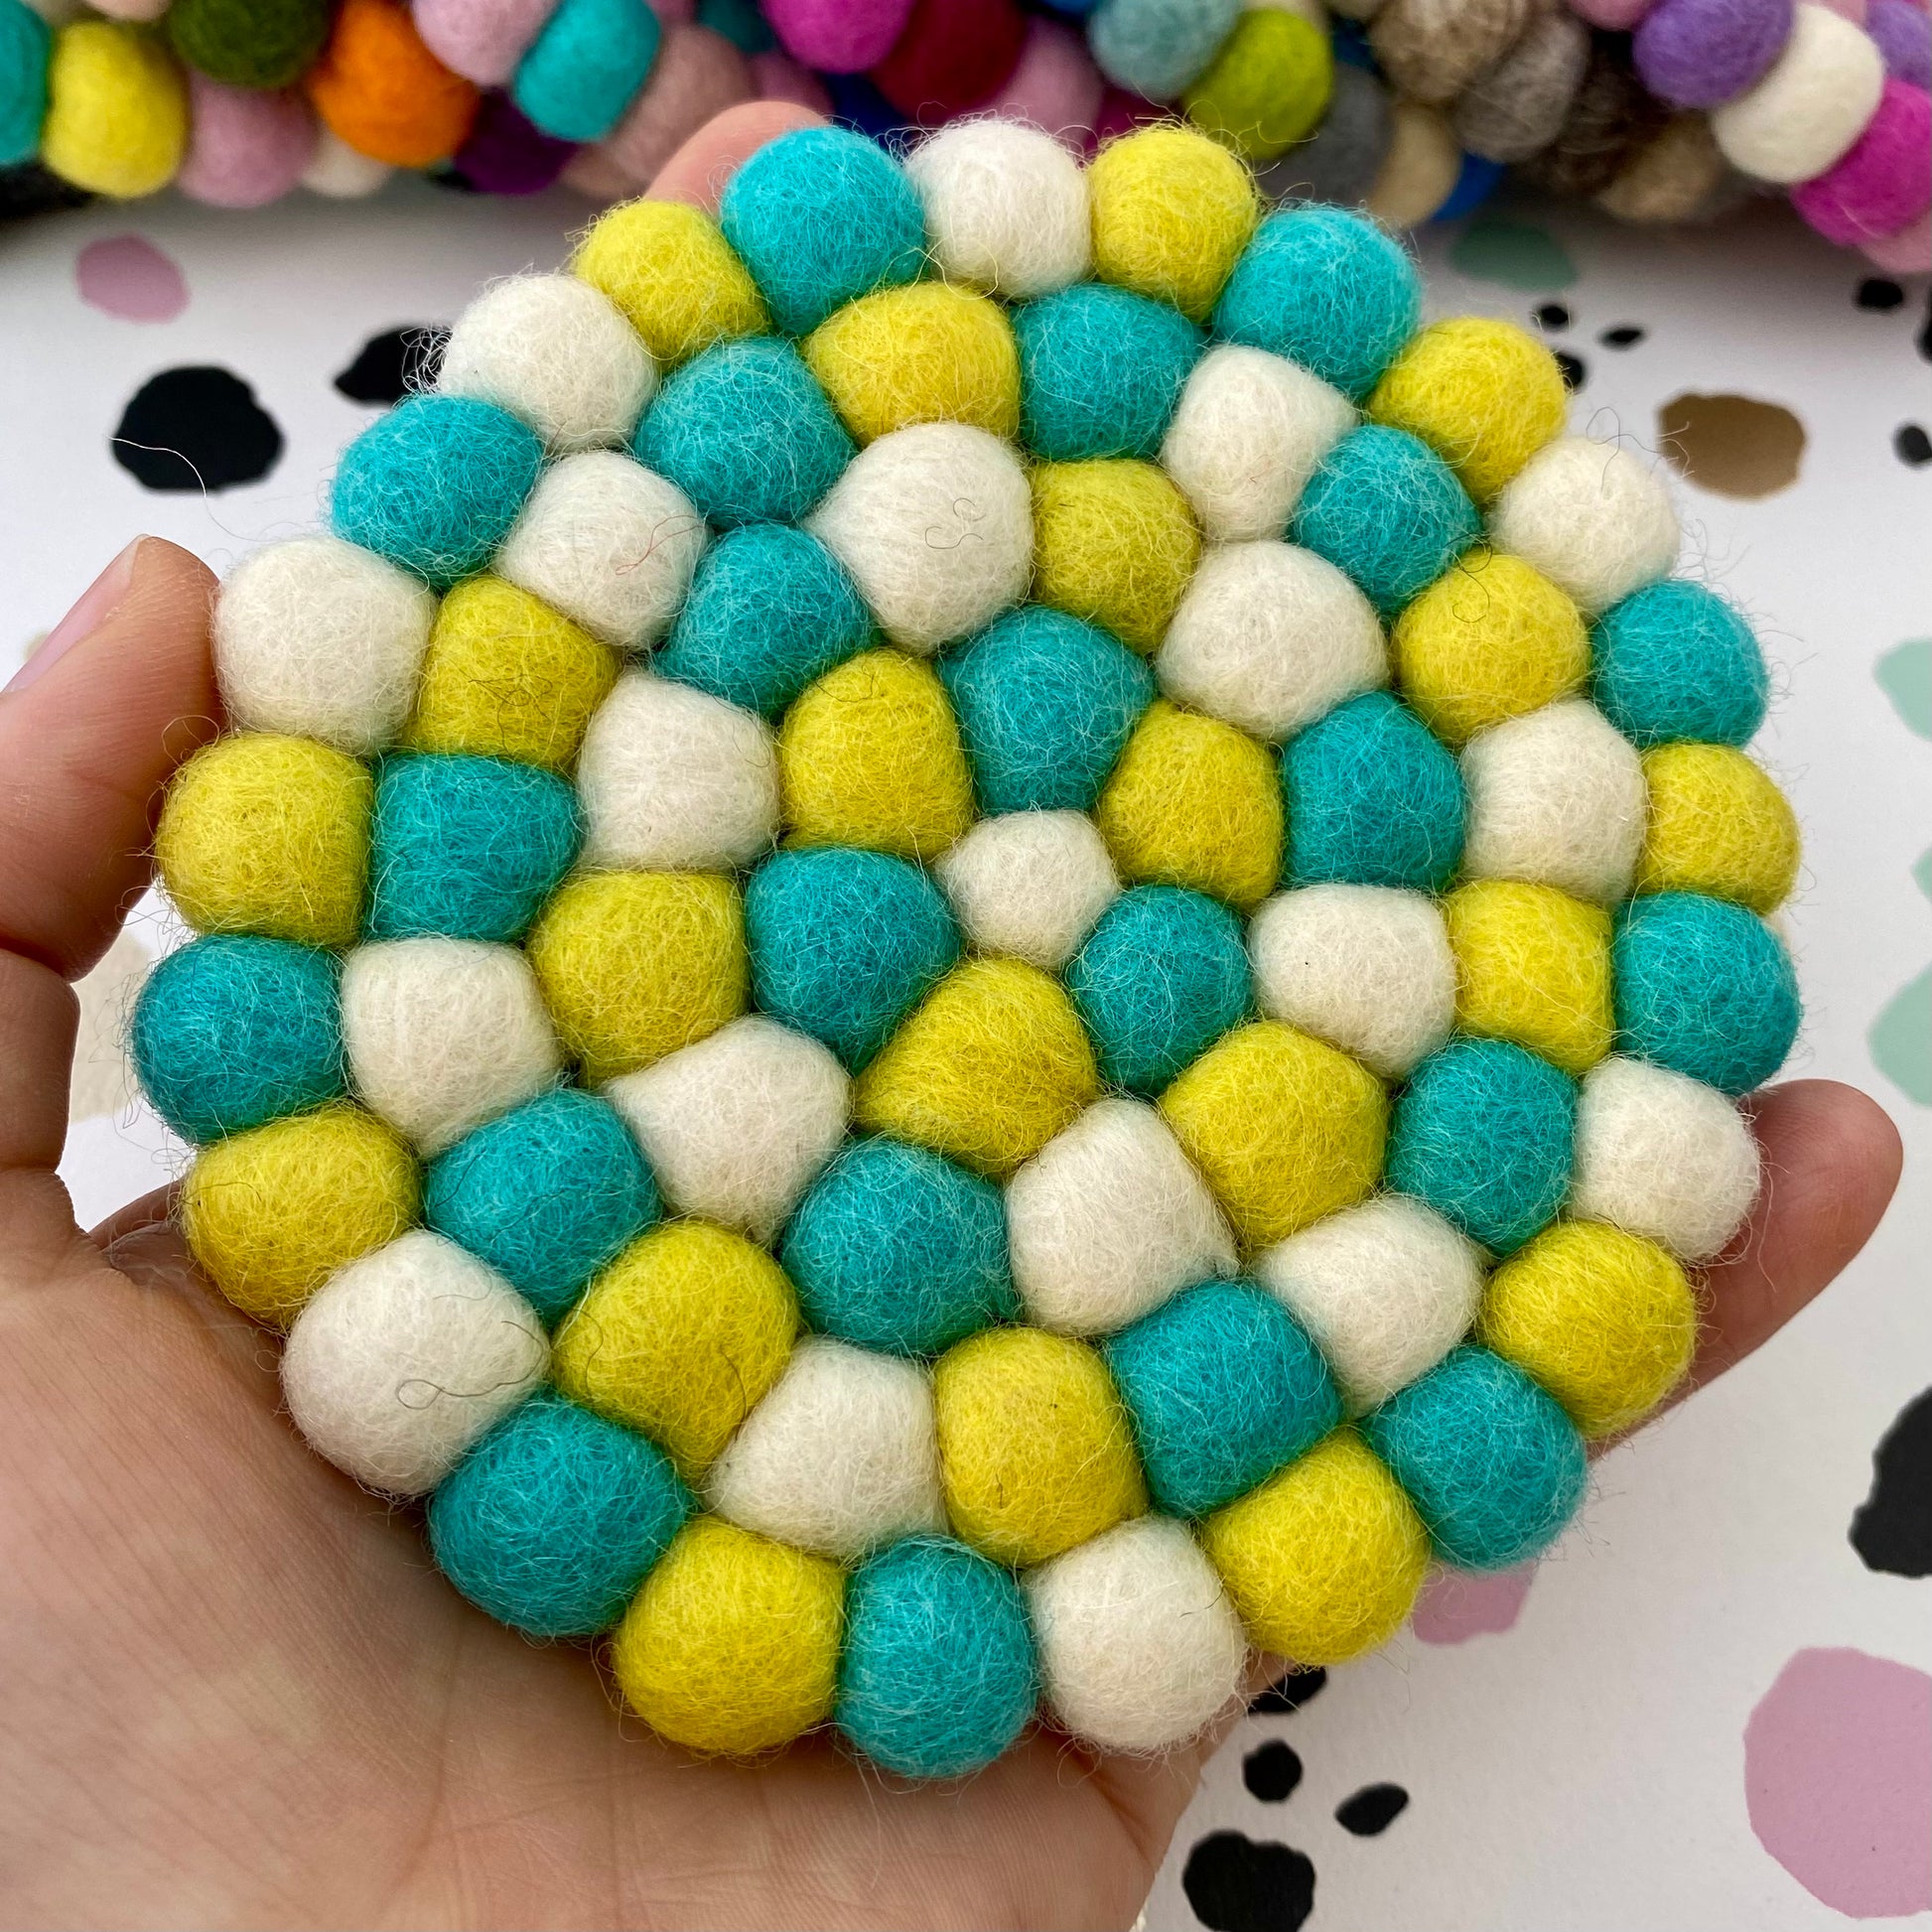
(128, 277)
(1838, 1777)
(1454, 1606)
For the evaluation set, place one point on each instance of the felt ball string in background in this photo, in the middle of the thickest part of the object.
(972, 940)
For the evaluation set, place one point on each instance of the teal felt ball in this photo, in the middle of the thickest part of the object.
(895, 1248)
(1223, 1387)
(1045, 706)
(1101, 370)
(234, 1030)
(465, 847)
(585, 65)
(1154, 48)
(746, 433)
(1676, 661)
(1705, 988)
(1375, 798)
(545, 1194)
(552, 1521)
(938, 1674)
(1163, 974)
(1494, 1465)
(845, 944)
(1482, 1134)
(26, 42)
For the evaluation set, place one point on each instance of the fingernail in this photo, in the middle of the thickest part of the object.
(96, 602)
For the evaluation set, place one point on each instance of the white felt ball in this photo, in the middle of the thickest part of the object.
(673, 780)
(1248, 435)
(341, 173)
(1030, 883)
(1595, 520)
(1139, 1645)
(1661, 1154)
(1366, 968)
(324, 639)
(406, 1357)
(555, 351)
(442, 1035)
(1270, 636)
(1556, 799)
(1810, 106)
(1006, 208)
(935, 525)
(608, 543)
(1385, 1289)
(841, 1453)
(1108, 1219)
(737, 1127)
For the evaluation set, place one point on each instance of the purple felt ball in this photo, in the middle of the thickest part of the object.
(1702, 52)
(507, 155)
(1904, 34)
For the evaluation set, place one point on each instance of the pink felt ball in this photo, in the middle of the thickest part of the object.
(1908, 252)
(1055, 85)
(248, 146)
(1617, 16)
(698, 73)
(1121, 113)
(838, 36)
(1852, 10)
(481, 40)
(778, 76)
(1884, 181)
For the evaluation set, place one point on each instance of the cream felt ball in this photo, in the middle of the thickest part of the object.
(405, 1359)
(1030, 883)
(338, 173)
(1108, 1219)
(320, 639)
(1006, 208)
(1813, 102)
(839, 1458)
(738, 1126)
(674, 779)
(1270, 636)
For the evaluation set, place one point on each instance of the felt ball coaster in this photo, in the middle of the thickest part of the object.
(972, 941)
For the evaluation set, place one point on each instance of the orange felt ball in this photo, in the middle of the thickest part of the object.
(380, 91)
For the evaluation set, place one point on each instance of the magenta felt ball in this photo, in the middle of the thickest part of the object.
(838, 36)
(1882, 183)
(1908, 252)
(249, 147)
(1701, 53)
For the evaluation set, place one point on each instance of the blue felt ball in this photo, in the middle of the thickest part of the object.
(26, 42)
(821, 217)
(1494, 1465)
(586, 66)
(1327, 289)
(1482, 1134)
(1675, 660)
(895, 1248)
(845, 944)
(435, 484)
(1373, 799)
(1100, 371)
(1385, 510)
(1477, 179)
(769, 610)
(746, 433)
(1163, 974)
(552, 1521)
(1154, 48)
(937, 1676)
(1223, 1387)
(234, 1031)
(858, 104)
(467, 847)
(546, 1193)
(1045, 706)
(1705, 988)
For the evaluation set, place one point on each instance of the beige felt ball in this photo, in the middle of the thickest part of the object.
(1030, 883)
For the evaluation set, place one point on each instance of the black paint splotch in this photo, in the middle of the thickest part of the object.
(1290, 1694)
(1913, 446)
(1235, 1884)
(1271, 1772)
(197, 428)
(1372, 1810)
(1575, 374)
(1552, 315)
(1626, 335)
(396, 364)
(1892, 1530)
(1881, 294)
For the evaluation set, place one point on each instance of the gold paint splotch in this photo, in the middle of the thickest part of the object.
(1731, 446)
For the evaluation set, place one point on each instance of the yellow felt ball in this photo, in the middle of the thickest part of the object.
(1115, 543)
(1284, 1127)
(1035, 1451)
(986, 1071)
(272, 1213)
(116, 111)
(1531, 965)
(679, 1336)
(1718, 824)
(869, 756)
(1173, 210)
(928, 353)
(1484, 395)
(1194, 802)
(1604, 1319)
(1324, 1560)
(635, 965)
(732, 1646)
(1490, 641)
(669, 268)
(1267, 88)
(507, 677)
(262, 833)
